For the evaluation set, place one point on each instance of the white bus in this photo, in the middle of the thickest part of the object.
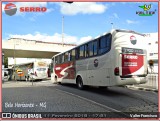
(118, 57)
(36, 70)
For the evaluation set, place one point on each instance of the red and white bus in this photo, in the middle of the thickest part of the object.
(118, 57)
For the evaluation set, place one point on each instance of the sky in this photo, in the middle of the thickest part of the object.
(82, 20)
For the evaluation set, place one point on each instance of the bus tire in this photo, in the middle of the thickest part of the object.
(79, 83)
(56, 81)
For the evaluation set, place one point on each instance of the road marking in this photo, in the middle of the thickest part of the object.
(88, 100)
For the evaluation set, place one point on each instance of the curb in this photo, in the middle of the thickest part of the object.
(142, 88)
(26, 84)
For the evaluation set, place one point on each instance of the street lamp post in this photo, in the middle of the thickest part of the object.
(62, 30)
(14, 53)
(112, 25)
(69, 2)
(14, 60)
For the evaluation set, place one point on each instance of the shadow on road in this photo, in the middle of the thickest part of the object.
(109, 91)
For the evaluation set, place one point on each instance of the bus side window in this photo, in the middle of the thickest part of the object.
(95, 47)
(86, 50)
(73, 55)
(90, 49)
(52, 64)
(57, 59)
(109, 42)
(62, 58)
(82, 51)
(69, 55)
(104, 44)
(66, 57)
(77, 53)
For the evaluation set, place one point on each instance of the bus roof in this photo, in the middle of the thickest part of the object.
(112, 31)
(128, 31)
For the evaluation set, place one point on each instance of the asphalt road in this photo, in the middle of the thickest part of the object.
(47, 97)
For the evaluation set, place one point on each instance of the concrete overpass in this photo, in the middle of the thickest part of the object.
(22, 48)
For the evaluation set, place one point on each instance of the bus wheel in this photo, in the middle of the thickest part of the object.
(56, 81)
(80, 83)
